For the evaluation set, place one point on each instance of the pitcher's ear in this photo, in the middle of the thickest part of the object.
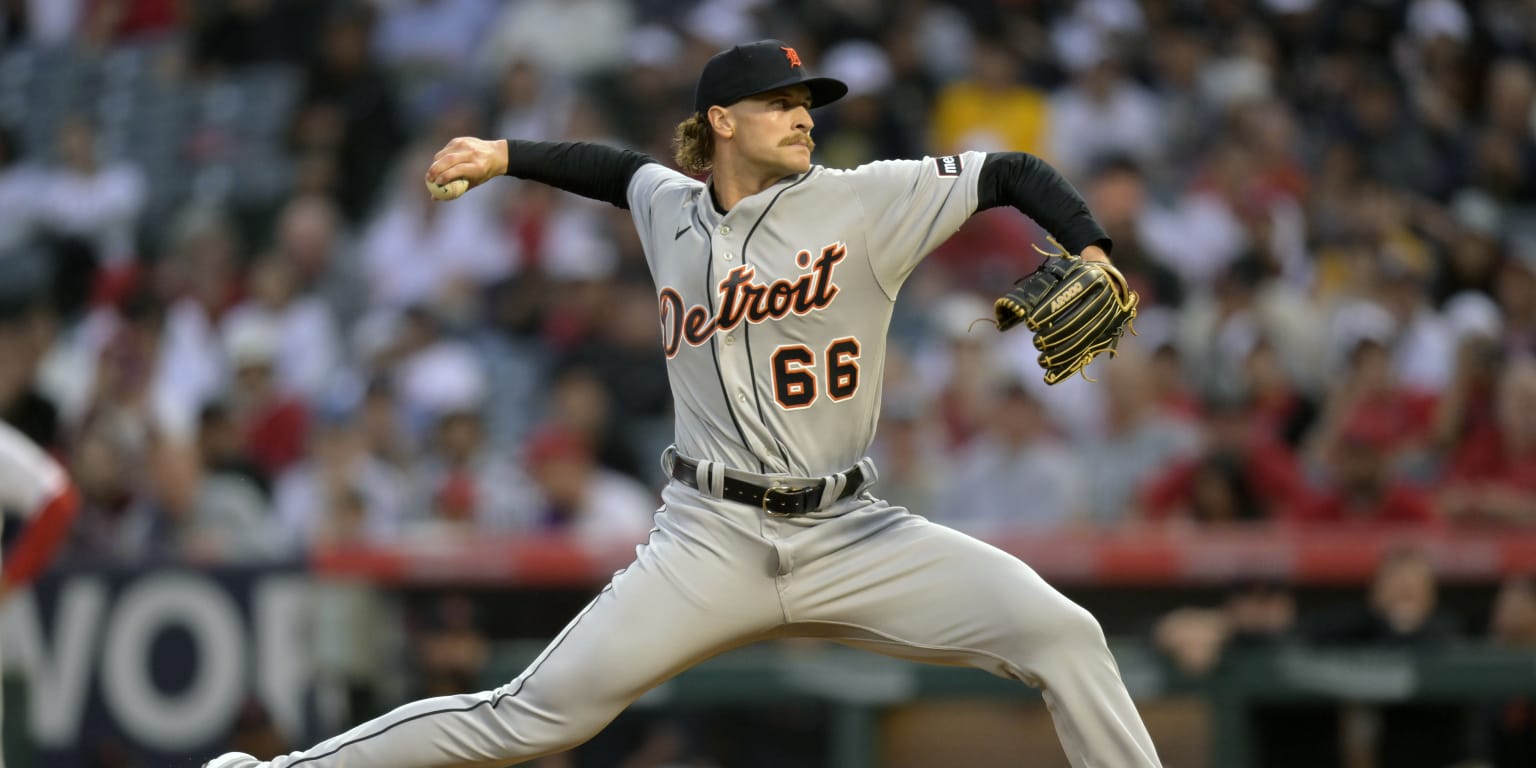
(721, 120)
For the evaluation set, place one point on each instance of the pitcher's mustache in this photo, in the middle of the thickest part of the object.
(799, 139)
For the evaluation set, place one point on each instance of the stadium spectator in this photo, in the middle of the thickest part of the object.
(215, 503)
(1401, 612)
(1016, 457)
(1256, 614)
(1180, 67)
(1510, 96)
(1368, 396)
(347, 124)
(598, 506)
(274, 424)
(990, 110)
(452, 650)
(343, 491)
(1201, 231)
(466, 246)
(200, 280)
(91, 198)
(864, 125)
(1102, 112)
(1246, 305)
(621, 356)
(1398, 150)
(578, 401)
(1465, 412)
(431, 372)
(1358, 484)
(911, 456)
(1471, 241)
(310, 236)
(466, 486)
(530, 103)
(1141, 441)
(117, 522)
(1242, 473)
(1283, 410)
(1509, 725)
(1492, 477)
(308, 343)
(1117, 194)
(956, 372)
(383, 431)
(1423, 350)
(1170, 383)
(222, 450)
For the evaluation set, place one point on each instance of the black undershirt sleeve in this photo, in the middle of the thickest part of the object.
(1031, 185)
(590, 170)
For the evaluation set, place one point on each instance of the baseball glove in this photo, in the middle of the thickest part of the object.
(1076, 309)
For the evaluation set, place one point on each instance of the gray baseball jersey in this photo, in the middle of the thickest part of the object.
(774, 319)
(774, 315)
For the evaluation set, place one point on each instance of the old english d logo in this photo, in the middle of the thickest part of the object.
(789, 53)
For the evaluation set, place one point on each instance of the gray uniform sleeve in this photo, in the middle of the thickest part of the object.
(911, 207)
(648, 184)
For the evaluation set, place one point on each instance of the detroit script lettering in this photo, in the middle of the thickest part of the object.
(743, 297)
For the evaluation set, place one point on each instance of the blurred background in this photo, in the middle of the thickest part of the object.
(339, 447)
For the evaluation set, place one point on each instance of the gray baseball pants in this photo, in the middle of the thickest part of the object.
(718, 575)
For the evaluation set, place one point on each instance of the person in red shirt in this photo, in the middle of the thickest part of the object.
(1244, 472)
(1492, 476)
(275, 424)
(1466, 417)
(1361, 487)
(1401, 418)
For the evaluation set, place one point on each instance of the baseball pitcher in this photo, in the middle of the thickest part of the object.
(775, 281)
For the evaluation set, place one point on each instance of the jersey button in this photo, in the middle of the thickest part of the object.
(728, 256)
(724, 230)
(730, 339)
(741, 397)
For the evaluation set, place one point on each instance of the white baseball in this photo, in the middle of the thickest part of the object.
(448, 191)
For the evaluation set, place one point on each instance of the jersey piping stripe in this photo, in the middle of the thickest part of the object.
(492, 702)
(746, 336)
(714, 346)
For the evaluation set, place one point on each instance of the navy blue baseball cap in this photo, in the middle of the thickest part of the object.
(752, 68)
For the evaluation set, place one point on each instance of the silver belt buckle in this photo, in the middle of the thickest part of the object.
(776, 488)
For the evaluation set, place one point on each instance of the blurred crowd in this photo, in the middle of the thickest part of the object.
(230, 306)
(1402, 612)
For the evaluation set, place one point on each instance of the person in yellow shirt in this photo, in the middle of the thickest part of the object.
(990, 110)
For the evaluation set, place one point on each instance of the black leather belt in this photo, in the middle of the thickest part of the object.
(776, 500)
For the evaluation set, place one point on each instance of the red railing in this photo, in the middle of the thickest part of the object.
(1153, 555)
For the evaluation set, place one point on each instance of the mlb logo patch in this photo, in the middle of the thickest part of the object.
(948, 165)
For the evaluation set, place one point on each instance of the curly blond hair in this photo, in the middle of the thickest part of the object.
(694, 142)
